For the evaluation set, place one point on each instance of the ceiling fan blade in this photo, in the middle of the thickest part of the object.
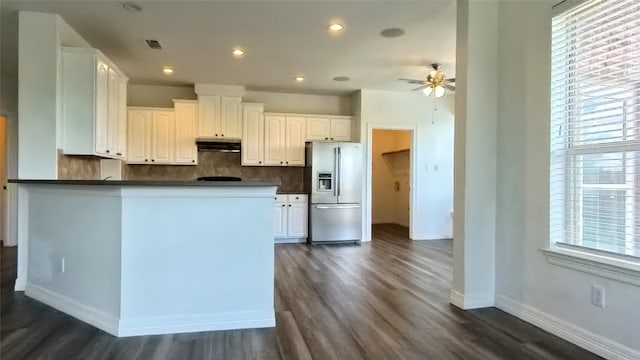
(413, 81)
(449, 87)
(450, 80)
(420, 88)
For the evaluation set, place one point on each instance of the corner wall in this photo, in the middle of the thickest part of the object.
(552, 297)
(432, 159)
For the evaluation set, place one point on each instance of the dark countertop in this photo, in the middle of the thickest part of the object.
(290, 192)
(146, 183)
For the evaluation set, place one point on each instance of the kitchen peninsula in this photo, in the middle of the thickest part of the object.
(150, 257)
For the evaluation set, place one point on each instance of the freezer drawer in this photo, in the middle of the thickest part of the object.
(335, 223)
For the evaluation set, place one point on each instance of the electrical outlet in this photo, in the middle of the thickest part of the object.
(62, 265)
(597, 296)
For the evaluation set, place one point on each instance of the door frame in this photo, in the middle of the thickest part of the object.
(413, 199)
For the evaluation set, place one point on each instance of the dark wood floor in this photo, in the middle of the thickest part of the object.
(383, 300)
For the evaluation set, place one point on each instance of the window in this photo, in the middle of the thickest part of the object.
(595, 127)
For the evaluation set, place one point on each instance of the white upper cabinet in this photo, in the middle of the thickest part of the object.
(318, 128)
(231, 117)
(163, 137)
(274, 140)
(331, 128)
(341, 129)
(139, 134)
(186, 124)
(253, 134)
(294, 140)
(220, 116)
(208, 116)
(93, 104)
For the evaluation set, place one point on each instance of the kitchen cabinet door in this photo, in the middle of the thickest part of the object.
(113, 113)
(295, 134)
(102, 108)
(253, 135)
(280, 220)
(122, 118)
(209, 116)
(341, 129)
(186, 117)
(139, 136)
(318, 128)
(274, 140)
(297, 220)
(231, 117)
(163, 137)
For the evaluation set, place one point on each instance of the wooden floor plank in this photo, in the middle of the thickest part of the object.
(387, 299)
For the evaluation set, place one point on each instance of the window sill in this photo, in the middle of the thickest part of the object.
(620, 270)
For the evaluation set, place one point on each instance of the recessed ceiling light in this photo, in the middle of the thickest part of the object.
(129, 6)
(341, 78)
(299, 78)
(238, 52)
(392, 32)
(336, 27)
(167, 70)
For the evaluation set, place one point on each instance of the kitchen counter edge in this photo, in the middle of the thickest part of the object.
(145, 183)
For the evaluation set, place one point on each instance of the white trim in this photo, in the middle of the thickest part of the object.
(585, 339)
(368, 180)
(290, 240)
(196, 323)
(20, 284)
(474, 301)
(98, 318)
(619, 270)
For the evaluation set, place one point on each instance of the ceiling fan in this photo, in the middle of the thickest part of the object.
(436, 82)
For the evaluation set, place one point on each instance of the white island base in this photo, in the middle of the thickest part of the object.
(149, 259)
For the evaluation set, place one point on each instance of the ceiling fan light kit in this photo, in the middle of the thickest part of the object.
(436, 83)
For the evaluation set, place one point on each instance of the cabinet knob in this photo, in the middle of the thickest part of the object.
(193, 161)
(326, 138)
(282, 205)
(287, 162)
(259, 162)
(119, 154)
(216, 134)
(146, 160)
(107, 151)
(275, 198)
(289, 205)
(331, 138)
(222, 135)
(280, 162)
(297, 198)
(153, 160)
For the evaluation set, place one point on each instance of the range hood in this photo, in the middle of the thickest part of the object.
(218, 145)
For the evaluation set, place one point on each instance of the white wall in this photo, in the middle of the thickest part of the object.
(301, 103)
(37, 96)
(41, 37)
(432, 159)
(523, 277)
(158, 95)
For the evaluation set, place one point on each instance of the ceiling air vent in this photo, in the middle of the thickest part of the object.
(154, 44)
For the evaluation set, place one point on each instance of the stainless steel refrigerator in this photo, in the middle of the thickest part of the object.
(333, 180)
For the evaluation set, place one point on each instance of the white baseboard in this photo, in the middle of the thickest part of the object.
(567, 331)
(196, 323)
(467, 302)
(98, 318)
(20, 284)
(290, 240)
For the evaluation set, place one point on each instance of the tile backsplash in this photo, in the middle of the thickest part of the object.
(218, 164)
(78, 167)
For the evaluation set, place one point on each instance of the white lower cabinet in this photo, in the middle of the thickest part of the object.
(290, 218)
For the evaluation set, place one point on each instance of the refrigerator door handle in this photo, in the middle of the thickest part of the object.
(339, 171)
(336, 176)
(337, 206)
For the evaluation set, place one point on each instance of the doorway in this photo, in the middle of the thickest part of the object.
(391, 179)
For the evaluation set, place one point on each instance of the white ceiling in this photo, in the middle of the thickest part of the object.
(281, 38)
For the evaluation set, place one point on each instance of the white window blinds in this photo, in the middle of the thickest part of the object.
(595, 126)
